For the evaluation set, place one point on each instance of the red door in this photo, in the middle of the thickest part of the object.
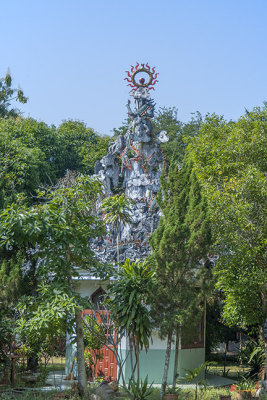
(106, 365)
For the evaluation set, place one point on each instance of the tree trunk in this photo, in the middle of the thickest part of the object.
(82, 379)
(118, 250)
(265, 348)
(225, 357)
(264, 330)
(177, 348)
(133, 365)
(32, 362)
(166, 365)
(136, 351)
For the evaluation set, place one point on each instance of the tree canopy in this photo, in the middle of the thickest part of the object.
(230, 161)
(7, 95)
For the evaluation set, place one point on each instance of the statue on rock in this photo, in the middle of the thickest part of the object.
(133, 166)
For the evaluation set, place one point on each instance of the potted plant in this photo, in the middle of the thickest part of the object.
(244, 389)
(171, 393)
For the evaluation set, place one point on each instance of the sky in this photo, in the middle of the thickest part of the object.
(70, 56)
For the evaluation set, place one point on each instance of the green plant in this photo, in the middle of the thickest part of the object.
(253, 355)
(172, 390)
(139, 390)
(245, 384)
(193, 376)
(117, 211)
(129, 299)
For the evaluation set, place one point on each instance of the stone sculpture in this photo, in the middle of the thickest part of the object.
(133, 165)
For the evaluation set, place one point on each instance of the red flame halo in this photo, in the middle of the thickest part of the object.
(152, 76)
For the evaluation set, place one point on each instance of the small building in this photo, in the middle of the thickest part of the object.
(151, 363)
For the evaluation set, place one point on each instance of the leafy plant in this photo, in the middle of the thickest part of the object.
(139, 390)
(245, 384)
(7, 94)
(128, 306)
(172, 390)
(253, 354)
(193, 376)
(117, 211)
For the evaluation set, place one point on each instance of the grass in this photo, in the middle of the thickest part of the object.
(55, 364)
(232, 369)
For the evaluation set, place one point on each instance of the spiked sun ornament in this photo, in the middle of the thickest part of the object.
(142, 82)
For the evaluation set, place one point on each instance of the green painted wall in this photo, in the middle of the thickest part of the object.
(152, 363)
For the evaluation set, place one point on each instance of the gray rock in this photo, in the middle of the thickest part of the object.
(104, 391)
(133, 165)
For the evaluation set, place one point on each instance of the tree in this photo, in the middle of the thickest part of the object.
(129, 301)
(230, 159)
(180, 241)
(116, 212)
(80, 147)
(29, 152)
(7, 94)
(178, 132)
(60, 230)
(217, 331)
(33, 155)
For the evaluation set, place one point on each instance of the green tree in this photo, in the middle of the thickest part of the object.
(217, 331)
(29, 153)
(7, 95)
(80, 147)
(59, 230)
(178, 132)
(129, 299)
(116, 212)
(32, 155)
(180, 241)
(230, 160)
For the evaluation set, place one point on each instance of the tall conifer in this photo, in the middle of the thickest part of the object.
(179, 243)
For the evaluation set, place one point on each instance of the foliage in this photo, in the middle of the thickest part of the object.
(194, 376)
(80, 147)
(60, 228)
(22, 168)
(60, 231)
(178, 244)
(7, 95)
(46, 315)
(178, 132)
(33, 155)
(122, 129)
(172, 390)
(6, 335)
(140, 390)
(253, 355)
(244, 384)
(129, 295)
(117, 211)
(94, 333)
(94, 339)
(230, 161)
(216, 330)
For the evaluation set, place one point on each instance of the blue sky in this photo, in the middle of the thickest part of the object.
(70, 57)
